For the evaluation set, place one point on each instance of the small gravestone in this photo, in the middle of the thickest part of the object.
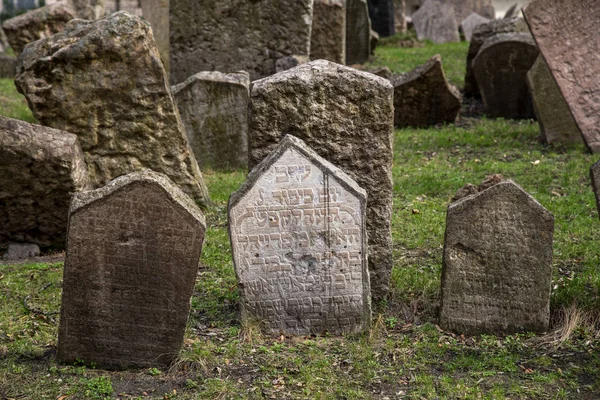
(552, 112)
(568, 36)
(346, 116)
(214, 110)
(297, 229)
(381, 13)
(436, 21)
(117, 101)
(470, 23)
(595, 175)
(423, 97)
(513, 11)
(328, 35)
(358, 32)
(156, 12)
(40, 168)
(497, 264)
(21, 251)
(464, 8)
(501, 68)
(132, 259)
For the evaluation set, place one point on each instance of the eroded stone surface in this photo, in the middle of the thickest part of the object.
(21, 251)
(470, 23)
(328, 35)
(568, 36)
(346, 116)
(497, 265)
(289, 62)
(8, 66)
(381, 13)
(358, 32)
(236, 35)
(423, 97)
(40, 168)
(552, 111)
(501, 68)
(513, 11)
(104, 82)
(297, 229)
(464, 8)
(132, 256)
(436, 21)
(214, 110)
(595, 175)
(156, 12)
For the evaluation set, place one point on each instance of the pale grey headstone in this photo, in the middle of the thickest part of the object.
(436, 21)
(21, 251)
(470, 23)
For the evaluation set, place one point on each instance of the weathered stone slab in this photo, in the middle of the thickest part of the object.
(374, 41)
(381, 13)
(297, 229)
(21, 251)
(464, 8)
(40, 168)
(423, 97)
(400, 16)
(157, 13)
(133, 249)
(501, 68)
(88, 9)
(552, 111)
(480, 34)
(119, 105)
(470, 23)
(497, 264)
(436, 21)
(289, 62)
(328, 35)
(358, 32)
(231, 36)
(513, 11)
(214, 110)
(346, 116)
(8, 66)
(568, 36)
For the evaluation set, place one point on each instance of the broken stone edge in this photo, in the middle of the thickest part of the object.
(421, 70)
(241, 78)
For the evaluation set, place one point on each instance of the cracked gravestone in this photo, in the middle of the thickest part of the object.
(436, 21)
(358, 32)
(328, 35)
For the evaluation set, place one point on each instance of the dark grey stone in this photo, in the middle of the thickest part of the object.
(21, 251)
(358, 32)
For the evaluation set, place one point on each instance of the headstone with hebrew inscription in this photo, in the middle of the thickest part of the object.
(328, 34)
(297, 229)
(358, 32)
(568, 37)
(133, 249)
(436, 21)
(497, 264)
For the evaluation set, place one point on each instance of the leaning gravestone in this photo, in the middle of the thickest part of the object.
(297, 230)
(40, 168)
(470, 23)
(133, 249)
(228, 36)
(214, 111)
(568, 36)
(118, 104)
(156, 12)
(381, 13)
(358, 32)
(501, 68)
(551, 110)
(497, 264)
(328, 35)
(423, 97)
(347, 117)
(436, 21)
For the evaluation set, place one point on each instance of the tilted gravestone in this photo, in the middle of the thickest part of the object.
(133, 249)
(358, 32)
(497, 263)
(231, 36)
(214, 110)
(469, 24)
(297, 230)
(116, 101)
(595, 175)
(40, 168)
(423, 97)
(436, 21)
(381, 13)
(347, 117)
(156, 12)
(568, 37)
(501, 68)
(552, 112)
(328, 35)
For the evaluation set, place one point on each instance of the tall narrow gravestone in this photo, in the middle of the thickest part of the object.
(358, 32)
(568, 37)
(297, 229)
(436, 21)
(497, 264)
(328, 34)
(133, 249)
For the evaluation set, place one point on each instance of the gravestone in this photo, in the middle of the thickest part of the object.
(21, 251)
(358, 32)
(400, 16)
(289, 62)
(568, 37)
(552, 112)
(470, 23)
(297, 230)
(346, 116)
(133, 249)
(119, 105)
(214, 110)
(464, 8)
(497, 263)
(480, 35)
(501, 68)
(156, 12)
(423, 97)
(8, 66)
(328, 35)
(513, 11)
(40, 168)
(229, 36)
(381, 13)
(436, 21)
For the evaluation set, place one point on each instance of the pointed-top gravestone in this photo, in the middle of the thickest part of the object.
(358, 32)
(297, 230)
(470, 23)
(133, 249)
(436, 21)
(497, 264)
(568, 37)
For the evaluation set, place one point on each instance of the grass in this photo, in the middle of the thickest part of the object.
(406, 355)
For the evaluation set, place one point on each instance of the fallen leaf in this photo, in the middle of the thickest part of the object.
(536, 162)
